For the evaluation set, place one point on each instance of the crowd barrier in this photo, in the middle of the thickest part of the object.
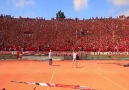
(67, 55)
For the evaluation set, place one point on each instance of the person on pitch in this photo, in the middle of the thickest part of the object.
(50, 57)
(74, 58)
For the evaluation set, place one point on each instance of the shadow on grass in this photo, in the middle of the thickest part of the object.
(55, 65)
(80, 66)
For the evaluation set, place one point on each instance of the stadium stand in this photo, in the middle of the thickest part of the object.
(95, 35)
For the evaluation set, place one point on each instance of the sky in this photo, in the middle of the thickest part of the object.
(72, 8)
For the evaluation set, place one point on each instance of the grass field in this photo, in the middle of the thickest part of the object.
(96, 74)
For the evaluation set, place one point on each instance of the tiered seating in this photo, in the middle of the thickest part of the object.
(104, 34)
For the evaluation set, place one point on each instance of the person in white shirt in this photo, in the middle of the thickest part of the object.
(74, 58)
(50, 57)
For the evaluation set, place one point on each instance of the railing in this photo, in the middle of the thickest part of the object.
(63, 53)
(68, 55)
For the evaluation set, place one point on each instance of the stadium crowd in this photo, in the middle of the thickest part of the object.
(38, 34)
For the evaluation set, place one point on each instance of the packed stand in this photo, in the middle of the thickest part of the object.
(38, 34)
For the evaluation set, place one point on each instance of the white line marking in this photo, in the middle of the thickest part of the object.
(106, 78)
(52, 77)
